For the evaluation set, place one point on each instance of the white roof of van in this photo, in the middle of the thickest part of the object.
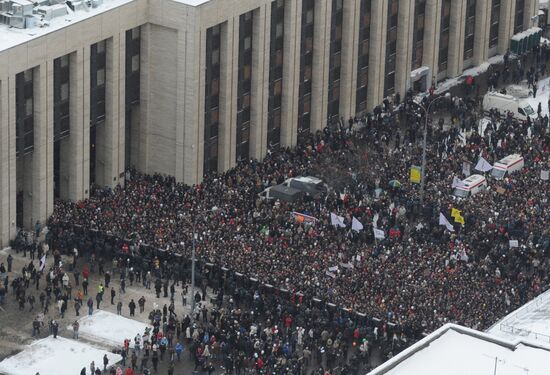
(510, 159)
(473, 180)
(309, 179)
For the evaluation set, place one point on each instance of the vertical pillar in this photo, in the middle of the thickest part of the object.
(506, 25)
(432, 26)
(7, 160)
(190, 129)
(321, 64)
(530, 10)
(456, 38)
(41, 176)
(350, 55)
(260, 81)
(86, 121)
(405, 30)
(482, 31)
(377, 53)
(145, 102)
(109, 133)
(291, 72)
(229, 74)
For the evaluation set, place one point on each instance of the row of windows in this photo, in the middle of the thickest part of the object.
(306, 66)
(275, 73)
(244, 86)
(391, 47)
(418, 33)
(363, 57)
(61, 95)
(24, 117)
(469, 29)
(333, 108)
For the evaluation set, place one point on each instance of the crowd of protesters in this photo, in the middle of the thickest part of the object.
(420, 276)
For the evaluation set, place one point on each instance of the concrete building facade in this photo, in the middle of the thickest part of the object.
(189, 87)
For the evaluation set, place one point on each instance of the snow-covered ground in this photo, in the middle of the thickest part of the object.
(110, 329)
(543, 94)
(531, 322)
(455, 350)
(58, 356)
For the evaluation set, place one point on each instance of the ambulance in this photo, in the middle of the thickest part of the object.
(507, 165)
(470, 186)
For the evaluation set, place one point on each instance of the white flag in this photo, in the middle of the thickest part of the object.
(378, 233)
(337, 221)
(356, 225)
(43, 262)
(483, 165)
(443, 221)
(457, 183)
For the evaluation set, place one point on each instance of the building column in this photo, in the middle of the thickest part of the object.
(260, 81)
(7, 160)
(456, 38)
(350, 55)
(73, 149)
(506, 25)
(190, 111)
(109, 166)
(405, 30)
(321, 64)
(229, 76)
(291, 72)
(377, 53)
(41, 173)
(530, 10)
(432, 26)
(482, 31)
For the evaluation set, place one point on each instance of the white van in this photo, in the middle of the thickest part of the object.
(309, 184)
(470, 186)
(520, 108)
(507, 165)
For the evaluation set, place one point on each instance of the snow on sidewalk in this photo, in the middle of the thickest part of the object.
(58, 356)
(110, 329)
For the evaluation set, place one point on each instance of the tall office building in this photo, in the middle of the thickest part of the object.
(188, 87)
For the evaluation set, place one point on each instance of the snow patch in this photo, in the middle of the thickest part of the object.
(109, 329)
(58, 356)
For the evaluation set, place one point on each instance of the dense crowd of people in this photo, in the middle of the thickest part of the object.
(421, 275)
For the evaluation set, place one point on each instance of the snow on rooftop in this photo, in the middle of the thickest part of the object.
(529, 323)
(58, 356)
(456, 350)
(11, 37)
(109, 329)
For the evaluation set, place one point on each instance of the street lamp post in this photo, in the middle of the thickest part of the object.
(193, 258)
(425, 141)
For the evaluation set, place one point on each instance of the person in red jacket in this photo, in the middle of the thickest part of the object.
(129, 371)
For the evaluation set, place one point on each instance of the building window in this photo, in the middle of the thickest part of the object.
(518, 23)
(391, 47)
(333, 109)
(306, 66)
(495, 18)
(98, 63)
(469, 30)
(24, 113)
(212, 99)
(363, 56)
(61, 97)
(132, 64)
(418, 33)
(444, 34)
(244, 86)
(276, 54)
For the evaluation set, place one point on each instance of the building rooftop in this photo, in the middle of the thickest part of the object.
(529, 323)
(23, 20)
(457, 350)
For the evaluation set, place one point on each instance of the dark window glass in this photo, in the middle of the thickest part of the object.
(418, 33)
(518, 23)
(363, 58)
(276, 55)
(495, 18)
(98, 63)
(306, 66)
(444, 34)
(391, 47)
(244, 86)
(61, 97)
(24, 113)
(333, 109)
(469, 30)
(212, 99)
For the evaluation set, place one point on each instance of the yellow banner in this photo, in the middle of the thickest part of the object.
(415, 175)
(455, 212)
